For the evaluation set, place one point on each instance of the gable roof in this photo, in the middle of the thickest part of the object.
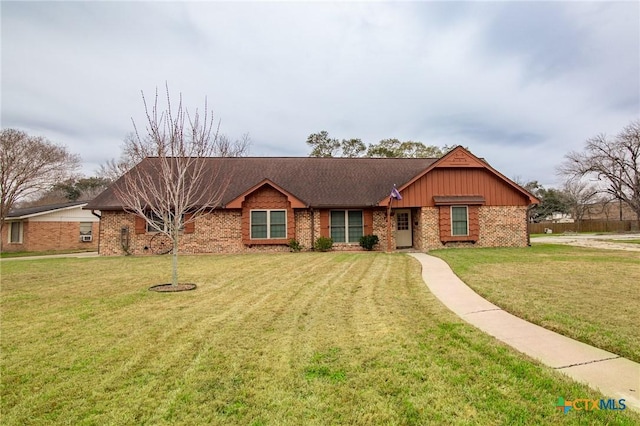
(460, 157)
(317, 182)
(41, 210)
(236, 203)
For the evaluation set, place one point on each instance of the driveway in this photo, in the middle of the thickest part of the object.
(592, 240)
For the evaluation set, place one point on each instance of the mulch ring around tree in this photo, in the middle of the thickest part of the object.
(168, 288)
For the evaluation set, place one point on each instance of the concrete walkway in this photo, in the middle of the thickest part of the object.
(52, 256)
(614, 376)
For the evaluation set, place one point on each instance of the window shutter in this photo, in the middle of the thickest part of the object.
(324, 223)
(368, 222)
(189, 228)
(141, 225)
(474, 222)
(445, 222)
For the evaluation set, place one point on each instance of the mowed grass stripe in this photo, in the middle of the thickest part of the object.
(311, 338)
(252, 327)
(587, 294)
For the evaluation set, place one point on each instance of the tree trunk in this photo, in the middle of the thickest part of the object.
(174, 259)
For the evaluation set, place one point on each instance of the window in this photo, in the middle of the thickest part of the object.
(346, 226)
(15, 232)
(158, 223)
(459, 220)
(86, 228)
(85, 232)
(268, 224)
(403, 221)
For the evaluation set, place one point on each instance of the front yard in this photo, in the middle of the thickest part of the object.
(307, 338)
(587, 294)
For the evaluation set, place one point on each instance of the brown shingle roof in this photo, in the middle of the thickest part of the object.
(319, 182)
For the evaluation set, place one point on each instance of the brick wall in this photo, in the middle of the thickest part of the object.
(304, 235)
(430, 225)
(503, 226)
(216, 232)
(380, 229)
(417, 229)
(498, 226)
(111, 242)
(221, 231)
(45, 236)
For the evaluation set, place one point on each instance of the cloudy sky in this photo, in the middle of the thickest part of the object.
(519, 83)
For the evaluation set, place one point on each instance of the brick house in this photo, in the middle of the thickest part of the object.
(52, 227)
(457, 200)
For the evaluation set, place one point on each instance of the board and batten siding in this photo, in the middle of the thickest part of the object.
(448, 181)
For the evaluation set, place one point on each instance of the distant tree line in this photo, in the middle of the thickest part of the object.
(611, 165)
(576, 199)
(322, 145)
(608, 169)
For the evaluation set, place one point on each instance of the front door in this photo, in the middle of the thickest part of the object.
(403, 228)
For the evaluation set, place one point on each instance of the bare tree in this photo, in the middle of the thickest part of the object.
(176, 185)
(134, 151)
(29, 164)
(225, 147)
(613, 162)
(579, 197)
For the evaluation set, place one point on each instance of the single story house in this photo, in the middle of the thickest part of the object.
(456, 200)
(65, 226)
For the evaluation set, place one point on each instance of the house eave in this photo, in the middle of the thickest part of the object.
(28, 216)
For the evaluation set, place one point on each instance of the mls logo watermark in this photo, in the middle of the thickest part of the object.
(585, 404)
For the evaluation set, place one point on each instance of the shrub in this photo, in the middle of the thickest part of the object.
(368, 242)
(323, 244)
(294, 245)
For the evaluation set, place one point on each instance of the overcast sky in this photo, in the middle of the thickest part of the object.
(519, 83)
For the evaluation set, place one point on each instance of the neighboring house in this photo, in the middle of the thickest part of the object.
(559, 217)
(457, 200)
(54, 227)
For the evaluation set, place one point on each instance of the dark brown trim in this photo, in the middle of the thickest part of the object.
(454, 200)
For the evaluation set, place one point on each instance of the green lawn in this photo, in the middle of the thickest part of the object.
(587, 294)
(306, 338)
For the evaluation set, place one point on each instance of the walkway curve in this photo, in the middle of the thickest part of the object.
(614, 376)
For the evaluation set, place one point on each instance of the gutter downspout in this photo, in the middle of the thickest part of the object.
(389, 226)
(313, 229)
(93, 212)
(528, 219)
